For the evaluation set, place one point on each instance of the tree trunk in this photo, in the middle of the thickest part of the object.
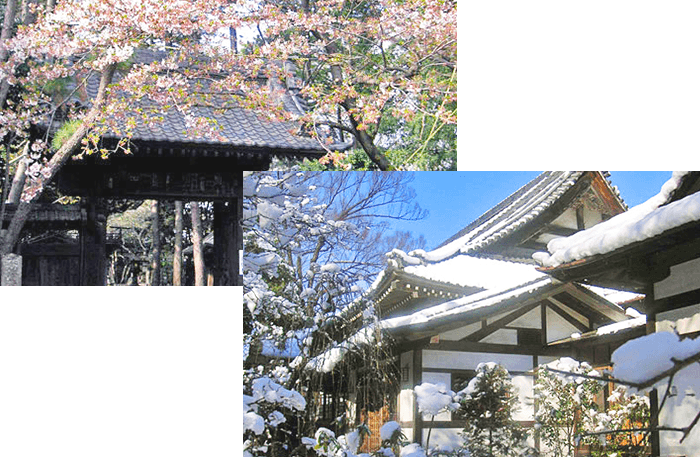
(197, 254)
(10, 13)
(28, 15)
(61, 156)
(177, 248)
(365, 140)
(155, 246)
(17, 183)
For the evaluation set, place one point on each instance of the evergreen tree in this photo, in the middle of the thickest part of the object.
(488, 403)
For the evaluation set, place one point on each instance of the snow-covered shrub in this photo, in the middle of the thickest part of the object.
(567, 406)
(624, 412)
(488, 403)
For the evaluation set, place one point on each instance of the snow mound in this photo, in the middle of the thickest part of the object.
(644, 221)
(645, 358)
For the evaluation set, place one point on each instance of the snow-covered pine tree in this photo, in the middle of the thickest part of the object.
(488, 403)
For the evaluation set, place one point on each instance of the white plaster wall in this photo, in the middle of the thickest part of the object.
(567, 219)
(470, 360)
(438, 378)
(684, 277)
(406, 397)
(557, 327)
(533, 319)
(679, 412)
(408, 433)
(406, 401)
(495, 317)
(684, 320)
(502, 336)
(446, 438)
(526, 411)
(578, 316)
(458, 334)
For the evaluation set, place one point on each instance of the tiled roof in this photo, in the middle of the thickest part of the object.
(520, 207)
(238, 127)
(511, 215)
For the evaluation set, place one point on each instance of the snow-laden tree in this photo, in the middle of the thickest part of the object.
(566, 405)
(488, 403)
(310, 244)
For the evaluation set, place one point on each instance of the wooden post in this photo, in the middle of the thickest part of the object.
(177, 248)
(227, 241)
(93, 239)
(650, 308)
(155, 246)
(417, 379)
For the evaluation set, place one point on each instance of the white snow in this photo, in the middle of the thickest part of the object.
(618, 326)
(639, 223)
(252, 421)
(644, 358)
(412, 450)
(613, 295)
(464, 304)
(433, 398)
(572, 366)
(266, 389)
(327, 361)
(468, 271)
(387, 430)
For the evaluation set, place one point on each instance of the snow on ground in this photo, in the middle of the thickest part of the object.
(642, 359)
(471, 271)
(639, 223)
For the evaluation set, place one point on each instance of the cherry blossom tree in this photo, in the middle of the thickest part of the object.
(357, 64)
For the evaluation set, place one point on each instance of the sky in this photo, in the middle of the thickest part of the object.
(454, 199)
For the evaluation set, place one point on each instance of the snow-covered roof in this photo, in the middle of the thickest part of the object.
(644, 221)
(619, 297)
(469, 271)
(454, 308)
(512, 214)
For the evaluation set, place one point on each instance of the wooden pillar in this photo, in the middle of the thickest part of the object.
(650, 309)
(417, 380)
(227, 243)
(93, 240)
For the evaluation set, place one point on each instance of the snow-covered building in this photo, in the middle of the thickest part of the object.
(480, 298)
(654, 248)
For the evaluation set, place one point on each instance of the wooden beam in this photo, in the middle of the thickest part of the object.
(471, 346)
(499, 323)
(554, 305)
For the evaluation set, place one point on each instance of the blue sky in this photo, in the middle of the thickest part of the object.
(454, 199)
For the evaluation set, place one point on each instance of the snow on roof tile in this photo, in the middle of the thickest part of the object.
(642, 222)
(618, 297)
(518, 209)
(469, 271)
(466, 304)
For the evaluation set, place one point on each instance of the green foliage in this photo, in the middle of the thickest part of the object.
(488, 403)
(64, 133)
(566, 407)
